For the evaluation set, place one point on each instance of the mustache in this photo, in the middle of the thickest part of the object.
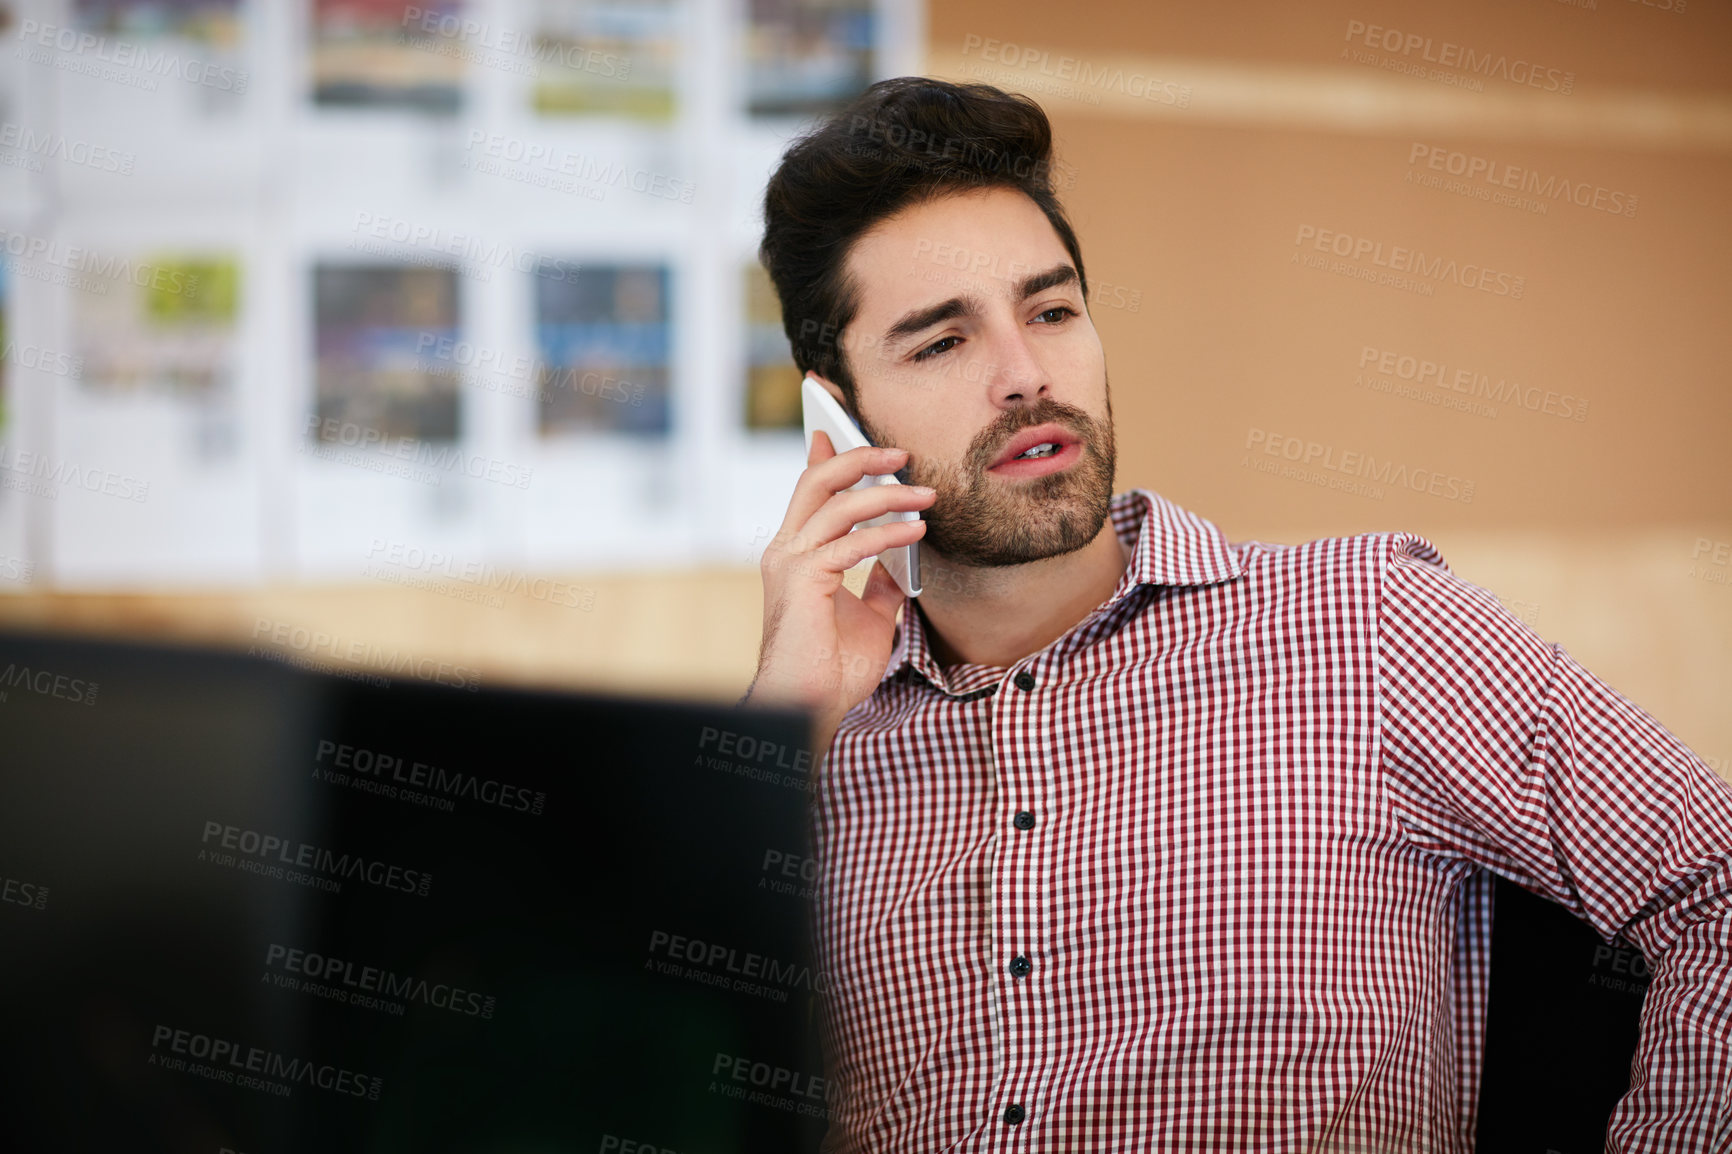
(990, 441)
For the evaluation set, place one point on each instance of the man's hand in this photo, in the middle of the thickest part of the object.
(825, 649)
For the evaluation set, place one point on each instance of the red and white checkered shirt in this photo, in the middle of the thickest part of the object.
(1209, 872)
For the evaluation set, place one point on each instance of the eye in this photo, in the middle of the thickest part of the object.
(1063, 310)
(936, 348)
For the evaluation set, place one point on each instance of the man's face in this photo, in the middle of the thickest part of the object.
(971, 343)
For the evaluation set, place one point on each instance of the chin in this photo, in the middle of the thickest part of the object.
(1046, 517)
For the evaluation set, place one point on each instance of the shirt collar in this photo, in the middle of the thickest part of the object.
(1170, 546)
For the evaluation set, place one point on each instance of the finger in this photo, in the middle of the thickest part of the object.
(820, 450)
(849, 508)
(830, 562)
(834, 475)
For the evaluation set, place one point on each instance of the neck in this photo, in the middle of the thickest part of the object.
(998, 616)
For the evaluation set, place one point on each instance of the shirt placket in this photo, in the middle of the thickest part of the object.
(1020, 924)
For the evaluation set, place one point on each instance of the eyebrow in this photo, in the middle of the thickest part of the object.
(921, 319)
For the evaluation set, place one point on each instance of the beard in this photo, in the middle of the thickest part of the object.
(987, 522)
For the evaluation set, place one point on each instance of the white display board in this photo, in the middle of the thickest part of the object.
(214, 377)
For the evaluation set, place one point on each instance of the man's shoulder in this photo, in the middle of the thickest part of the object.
(1355, 557)
(1359, 554)
(1395, 580)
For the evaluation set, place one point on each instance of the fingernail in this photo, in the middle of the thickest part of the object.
(923, 490)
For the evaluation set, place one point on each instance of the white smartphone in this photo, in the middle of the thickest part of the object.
(822, 412)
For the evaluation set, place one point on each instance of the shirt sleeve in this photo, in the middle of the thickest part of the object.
(1498, 748)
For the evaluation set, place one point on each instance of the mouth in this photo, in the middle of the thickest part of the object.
(1038, 451)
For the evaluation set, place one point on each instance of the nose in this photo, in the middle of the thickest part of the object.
(1016, 376)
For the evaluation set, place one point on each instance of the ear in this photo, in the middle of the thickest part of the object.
(832, 388)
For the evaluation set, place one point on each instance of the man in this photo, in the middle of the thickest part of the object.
(1131, 838)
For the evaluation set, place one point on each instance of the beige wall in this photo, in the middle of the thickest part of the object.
(1259, 128)
(1591, 529)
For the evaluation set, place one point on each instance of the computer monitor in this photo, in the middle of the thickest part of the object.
(252, 908)
(1562, 1021)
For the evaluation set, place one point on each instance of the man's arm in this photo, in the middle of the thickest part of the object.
(1499, 748)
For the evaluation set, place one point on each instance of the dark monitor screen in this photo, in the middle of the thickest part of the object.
(1563, 1014)
(258, 909)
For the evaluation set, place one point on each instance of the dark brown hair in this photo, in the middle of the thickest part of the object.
(902, 142)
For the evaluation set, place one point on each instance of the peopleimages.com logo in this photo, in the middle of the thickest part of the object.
(1474, 384)
(158, 62)
(328, 436)
(1447, 54)
(36, 146)
(78, 260)
(1497, 175)
(223, 1060)
(1352, 471)
(43, 476)
(368, 986)
(303, 864)
(300, 646)
(17, 892)
(47, 683)
(1397, 258)
(397, 770)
